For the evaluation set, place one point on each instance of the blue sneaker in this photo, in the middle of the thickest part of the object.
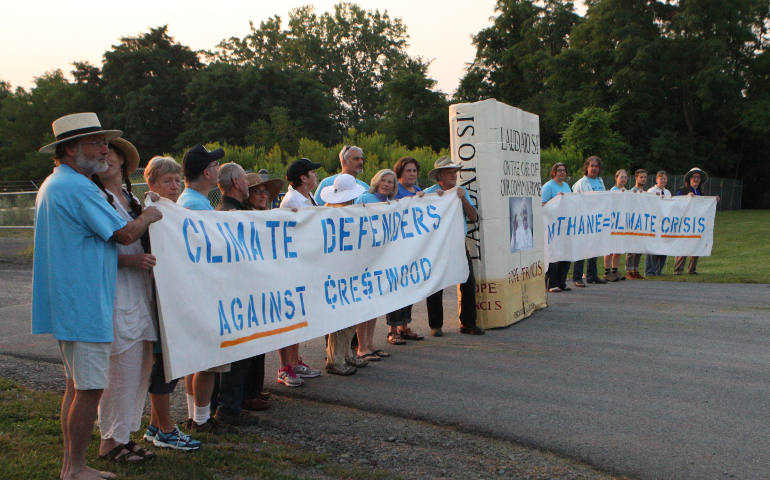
(176, 440)
(150, 433)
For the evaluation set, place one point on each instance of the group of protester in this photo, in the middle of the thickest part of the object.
(93, 288)
(556, 277)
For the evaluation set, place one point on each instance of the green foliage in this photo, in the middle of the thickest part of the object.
(591, 133)
(569, 157)
(144, 77)
(352, 51)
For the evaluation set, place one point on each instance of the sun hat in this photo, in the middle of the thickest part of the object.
(703, 176)
(129, 152)
(345, 189)
(300, 167)
(443, 163)
(76, 125)
(273, 185)
(198, 158)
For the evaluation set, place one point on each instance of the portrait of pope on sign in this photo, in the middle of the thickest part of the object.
(520, 215)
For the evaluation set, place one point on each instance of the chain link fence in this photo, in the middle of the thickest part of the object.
(17, 199)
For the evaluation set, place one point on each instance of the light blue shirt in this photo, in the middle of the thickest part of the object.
(552, 188)
(192, 199)
(437, 187)
(588, 184)
(330, 181)
(403, 192)
(75, 262)
(369, 197)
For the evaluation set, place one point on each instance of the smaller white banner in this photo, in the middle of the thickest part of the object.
(586, 225)
(236, 284)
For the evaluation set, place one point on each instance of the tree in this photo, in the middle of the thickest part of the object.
(144, 80)
(591, 132)
(352, 51)
(25, 124)
(415, 115)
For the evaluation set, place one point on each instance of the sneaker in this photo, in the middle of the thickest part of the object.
(303, 370)
(579, 283)
(175, 439)
(150, 433)
(287, 377)
(212, 426)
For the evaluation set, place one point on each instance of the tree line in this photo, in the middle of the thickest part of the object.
(659, 84)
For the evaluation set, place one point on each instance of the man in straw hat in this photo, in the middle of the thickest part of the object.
(74, 272)
(445, 173)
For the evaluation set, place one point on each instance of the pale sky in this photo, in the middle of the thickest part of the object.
(37, 36)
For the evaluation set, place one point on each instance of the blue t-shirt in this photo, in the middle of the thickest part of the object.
(192, 199)
(552, 188)
(75, 262)
(330, 181)
(437, 187)
(403, 192)
(369, 197)
(616, 189)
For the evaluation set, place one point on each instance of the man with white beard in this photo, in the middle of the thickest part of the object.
(74, 272)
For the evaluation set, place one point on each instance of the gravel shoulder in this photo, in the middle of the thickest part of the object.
(403, 447)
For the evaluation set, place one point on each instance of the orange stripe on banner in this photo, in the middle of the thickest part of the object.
(681, 236)
(634, 233)
(238, 341)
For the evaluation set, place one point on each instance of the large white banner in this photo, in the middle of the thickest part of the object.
(232, 285)
(585, 225)
(499, 149)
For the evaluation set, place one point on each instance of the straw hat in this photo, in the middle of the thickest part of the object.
(443, 163)
(345, 189)
(129, 152)
(76, 125)
(273, 185)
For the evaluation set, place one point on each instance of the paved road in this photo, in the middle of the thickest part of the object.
(648, 379)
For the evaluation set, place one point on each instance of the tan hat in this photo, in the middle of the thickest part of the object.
(129, 152)
(76, 125)
(443, 163)
(273, 185)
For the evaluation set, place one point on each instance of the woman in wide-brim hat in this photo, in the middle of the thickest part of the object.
(121, 404)
(262, 191)
(693, 181)
(344, 190)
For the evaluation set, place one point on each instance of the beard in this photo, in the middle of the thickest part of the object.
(89, 166)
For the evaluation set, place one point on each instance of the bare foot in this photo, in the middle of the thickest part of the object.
(89, 473)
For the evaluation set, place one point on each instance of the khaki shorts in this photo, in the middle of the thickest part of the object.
(87, 364)
(220, 369)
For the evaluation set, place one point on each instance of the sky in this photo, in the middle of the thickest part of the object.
(37, 36)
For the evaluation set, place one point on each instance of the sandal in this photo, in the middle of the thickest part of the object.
(410, 335)
(554, 289)
(381, 354)
(371, 357)
(138, 450)
(122, 454)
(395, 339)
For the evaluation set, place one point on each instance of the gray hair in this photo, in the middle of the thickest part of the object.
(227, 175)
(347, 151)
(159, 166)
(377, 178)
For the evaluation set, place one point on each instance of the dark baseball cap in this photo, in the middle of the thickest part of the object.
(300, 167)
(198, 158)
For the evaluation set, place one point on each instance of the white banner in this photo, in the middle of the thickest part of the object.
(232, 285)
(586, 225)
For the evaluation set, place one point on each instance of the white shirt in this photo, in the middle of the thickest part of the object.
(659, 192)
(294, 199)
